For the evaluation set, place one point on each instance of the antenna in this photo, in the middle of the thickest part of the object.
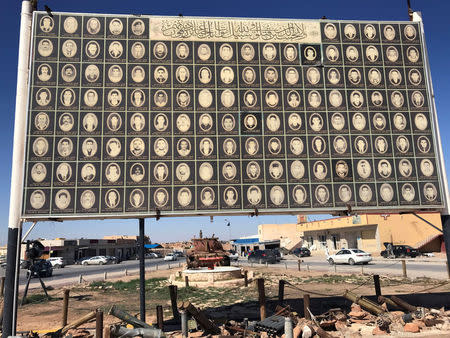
(410, 11)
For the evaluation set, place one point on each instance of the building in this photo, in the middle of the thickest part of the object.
(244, 245)
(367, 232)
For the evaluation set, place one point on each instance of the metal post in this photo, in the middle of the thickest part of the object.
(245, 278)
(17, 176)
(184, 327)
(141, 269)
(99, 324)
(376, 282)
(65, 307)
(173, 291)
(446, 227)
(299, 264)
(186, 281)
(280, 291)
(261, 297)
(160, 317)
(404, 268)
(306, 304)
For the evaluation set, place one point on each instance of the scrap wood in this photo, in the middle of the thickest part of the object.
(404, 305)
(364, 302)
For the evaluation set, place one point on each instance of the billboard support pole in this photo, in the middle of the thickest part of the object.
(142, 268)
(17, 175)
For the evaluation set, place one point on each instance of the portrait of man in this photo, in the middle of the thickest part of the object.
(46, 24)
(88, 172)
(182, 74)
(160, 50)
(361, 145)
(70, 25)
(116, 26)
(161, 146)
(62, 199)
(91, 74)
(276, 170)
(290, 52)
(43, 97)
(205, 122)
(408, 192)
(250, 122)
(316, 122)
(204, 52)
(271, 98)
(44, 72)
(184, 197)
(65, 147)
(138, 27)
(254, 195)
(354, 76)
(137, 172)
(112, 172)
(230, 196)
(350, 31)
(374, 76)
(184, 147)
(402, 144)
(229, 171)
(352, 54)
(296, 146)
(69, 48)
(415, 77)
(161, 197)
(430, 192)
(137, 122)
(376, 98)
(137, 98)
(41, 121)
(389, 32)
(333, 76)
(112, 198)
(93, 26)
(182, 50)
(370, 32)
(89, 147)
(395, 77)
(384, 168)
(183, 123)
(206, 146)
(365, 193)
(405, 167)
(114, 122)
(253, 170)
(38, 172)
(183, 98)
(92, 49)
(356, 99)
(294, 121)
(332, 53)
(274, 145)
(271, 75)
(269, 52)
(330, 31)
(45, 47)
(322, 194)
(63, 172)
(250, 98)
(291, 76)
(410, 32)
(228, 122)
(276, 195)
(137, 198)
(381, 144)
(87, 199)
(412, 54)
(113, 147)
(160, 172)
(137, 146)
(293, 99)
(204, 75)
(297, 169)
(392, 54)
(182, 172)
(426, 167)
(400, 121)
(299, 194)
(67, 97)
(115, 49)
(379, 121)
(417, 99)
(251, 146)
(335, 98)
(160, 98)
(320, 170)
(310, 53)
(68, 73)
(273, 122)
(207, 196)
(226, 52)
(229, 146)
(248, 75)
(226, 98)
(372, 53)
(313, 75)
(423, 144)
(364, 168)
(386, 192)
(345, 193)
(227, 75)
(340, 144)
(114, 97)
(37, 199)
(314, 98)
(138, 74)
(90, 122)
(138, 50)
(338, 121)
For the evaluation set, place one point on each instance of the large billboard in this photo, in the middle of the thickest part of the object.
(133, 116)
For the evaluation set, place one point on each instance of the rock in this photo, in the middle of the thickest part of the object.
(419, 323)
(366, 331)
(356, 307)
(306, 332)
(411, 327)
(358, 314)
(378, 332)
(340, 325)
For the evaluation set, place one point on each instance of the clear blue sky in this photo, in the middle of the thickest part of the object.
(437, 30)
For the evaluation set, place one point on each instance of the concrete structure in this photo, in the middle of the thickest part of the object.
(367, 232)
(246, 244)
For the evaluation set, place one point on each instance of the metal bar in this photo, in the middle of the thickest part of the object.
(160, 316)
(141, 269)
(184, 327)
(376, 282)
(65, 308)
(280, 292)
(404, 268)
(25, 292)
(28, 231)
(446, 227)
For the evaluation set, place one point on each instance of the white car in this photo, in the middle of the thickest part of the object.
(350, 256)
(56, 262)
(234, 256)
(170, 257)
(96, 260)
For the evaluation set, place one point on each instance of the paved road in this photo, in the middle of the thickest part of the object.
(420, 268)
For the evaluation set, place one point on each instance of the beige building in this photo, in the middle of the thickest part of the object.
(367, 232)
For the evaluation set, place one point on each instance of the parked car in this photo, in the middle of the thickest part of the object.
(113, 260)
(234, 256)
(277, 253)
(302, 252)
(151, 255)
(41, 268)
(399, 251)
(178, 254)
(56, 262)
(262, 256)
(96, 260)
(170, 257)
(79, 260)
(350, 256)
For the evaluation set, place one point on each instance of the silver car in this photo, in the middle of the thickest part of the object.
(350, 256)
(96, 260)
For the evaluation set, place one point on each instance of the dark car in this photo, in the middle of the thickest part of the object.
(79, 260)
(302, 252)
(113, 260)
(262, 256)
(399, 251)
(41, 268)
